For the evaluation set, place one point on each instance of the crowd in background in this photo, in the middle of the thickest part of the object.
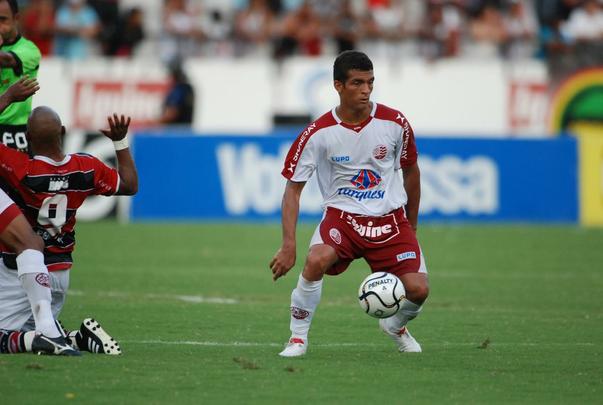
(432, 29)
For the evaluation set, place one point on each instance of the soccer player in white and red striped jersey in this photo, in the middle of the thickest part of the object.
(365, 159)
(50, 187)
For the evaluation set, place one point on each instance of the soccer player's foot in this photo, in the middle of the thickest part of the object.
(54, 346)
(93, 338)
(295, 347)
(402, 337)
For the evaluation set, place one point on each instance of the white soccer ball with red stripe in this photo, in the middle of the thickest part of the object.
(381, 294)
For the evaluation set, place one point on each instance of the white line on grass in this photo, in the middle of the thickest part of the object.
(195, 299)
(343, 344)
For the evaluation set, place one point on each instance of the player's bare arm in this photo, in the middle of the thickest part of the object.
(118, 129)
(19, 91)
(284, 259)
(412, 185)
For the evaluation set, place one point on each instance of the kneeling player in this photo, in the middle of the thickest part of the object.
(52, 186)
(32, 281)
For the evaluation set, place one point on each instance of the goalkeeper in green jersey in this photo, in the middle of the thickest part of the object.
(18, 57)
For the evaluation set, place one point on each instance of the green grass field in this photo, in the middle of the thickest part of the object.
(514, 316)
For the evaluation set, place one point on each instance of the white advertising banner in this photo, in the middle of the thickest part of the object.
(240, 96)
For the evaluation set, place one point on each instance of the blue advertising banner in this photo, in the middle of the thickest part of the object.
(187, 177)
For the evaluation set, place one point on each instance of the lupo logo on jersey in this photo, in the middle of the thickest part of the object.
(366, 179)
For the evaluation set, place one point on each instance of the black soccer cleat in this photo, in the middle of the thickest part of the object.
(53, 346)
(94, 339)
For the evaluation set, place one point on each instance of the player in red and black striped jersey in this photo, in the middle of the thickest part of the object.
(32, 274)
(49, 188)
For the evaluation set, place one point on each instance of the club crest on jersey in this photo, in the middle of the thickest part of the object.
(335, 235)
(380, 152)
(366, 179)
(43, 280)
(299, 313)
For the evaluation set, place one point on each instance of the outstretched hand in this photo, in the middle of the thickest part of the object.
(22, 89)
(118, 127)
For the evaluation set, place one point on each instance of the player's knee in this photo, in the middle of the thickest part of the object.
(314, 267)
(417, 292)
(318, 262)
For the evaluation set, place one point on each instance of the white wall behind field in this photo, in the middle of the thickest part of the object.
(446, 98)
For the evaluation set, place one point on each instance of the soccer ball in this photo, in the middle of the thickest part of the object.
(381, 294)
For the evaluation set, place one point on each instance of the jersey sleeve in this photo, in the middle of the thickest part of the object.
(302, 159)
(407, 148)
(27, 57)
(12, 163)
(106, 179)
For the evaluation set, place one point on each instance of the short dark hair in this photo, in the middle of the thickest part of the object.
(350, 60)
(14, 6)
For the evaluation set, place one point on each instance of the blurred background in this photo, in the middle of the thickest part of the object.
(506, 98)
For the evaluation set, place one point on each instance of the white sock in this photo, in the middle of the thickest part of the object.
(407, 312)
(304, 300)
(34, 279)
(28, 338)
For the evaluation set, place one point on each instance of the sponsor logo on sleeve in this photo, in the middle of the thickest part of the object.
(302, 140)
(406, 138)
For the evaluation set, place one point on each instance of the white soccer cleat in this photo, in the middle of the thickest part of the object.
(406, 343)
(295, 347)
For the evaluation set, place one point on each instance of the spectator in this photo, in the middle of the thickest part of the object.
(76, 26)
(384, 26)
(487, 32)
(347, 28)
(299, 32)
(384, 20)
(253, 26)
(520, 28)
(217, 29)
(549, 11)
(553, 42)
(441, 32)
(179, 103)
(585, 23)
(108, 14)
(128, 34)
(326, 11)
(37, 22)
(181, 36)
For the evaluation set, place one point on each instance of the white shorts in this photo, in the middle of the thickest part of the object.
(5, 201)
(15, 309)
